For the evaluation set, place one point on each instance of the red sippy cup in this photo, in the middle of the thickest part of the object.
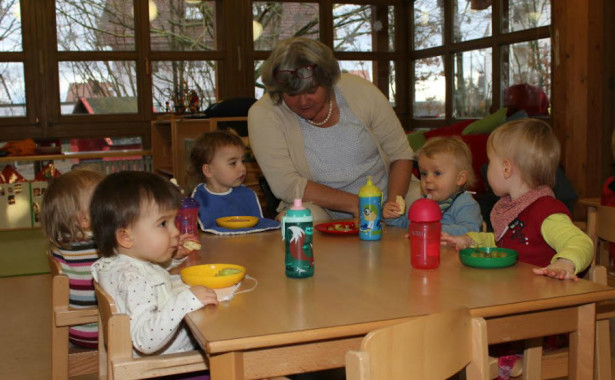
(424, 230)
(187, 217)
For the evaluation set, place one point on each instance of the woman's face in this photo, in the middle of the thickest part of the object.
(307, 104)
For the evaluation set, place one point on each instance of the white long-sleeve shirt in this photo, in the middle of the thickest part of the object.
(155, 301)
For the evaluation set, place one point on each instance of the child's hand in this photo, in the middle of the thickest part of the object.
(390, 209)
(562, 269)
(205, 295)
(394, 208)
(459, 241)
(184, 249)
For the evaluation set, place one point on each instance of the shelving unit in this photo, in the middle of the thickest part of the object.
(172, 138)
(20, 202)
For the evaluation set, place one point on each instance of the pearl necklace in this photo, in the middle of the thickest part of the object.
(326, 118)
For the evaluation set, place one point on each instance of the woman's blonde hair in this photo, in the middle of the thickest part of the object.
(67, 196)
(293, 53)
(532, 146)
(456, 148)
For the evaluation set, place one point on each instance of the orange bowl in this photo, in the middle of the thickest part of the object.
(213, 276)
(234, 222)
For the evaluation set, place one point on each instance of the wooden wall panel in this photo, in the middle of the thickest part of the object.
(580, 92)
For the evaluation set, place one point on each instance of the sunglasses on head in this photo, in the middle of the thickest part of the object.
(302, 72)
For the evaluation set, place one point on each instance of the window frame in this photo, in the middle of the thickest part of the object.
(449, 48)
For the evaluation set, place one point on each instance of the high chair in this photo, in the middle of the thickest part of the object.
(115, 348)
(67, 361)
(555, 364)
(425, 348)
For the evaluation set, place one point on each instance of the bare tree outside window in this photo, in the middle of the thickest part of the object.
(470, 80)
(12, 80)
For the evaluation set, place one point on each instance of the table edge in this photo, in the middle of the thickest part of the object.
(360, 329)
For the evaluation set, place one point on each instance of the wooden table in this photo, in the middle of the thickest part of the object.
(288, 326)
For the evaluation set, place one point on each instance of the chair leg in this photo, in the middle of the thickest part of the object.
(59, 352)
(532, 360)
(102, 353)
(603, 351)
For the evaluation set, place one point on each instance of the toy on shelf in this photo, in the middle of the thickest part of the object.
(185, 100)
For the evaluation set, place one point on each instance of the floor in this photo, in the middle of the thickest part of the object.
(25, 333)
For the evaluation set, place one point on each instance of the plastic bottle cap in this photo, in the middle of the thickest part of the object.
(424, 210)
(297, 204)
(298, 210)
(189, 203)
(369, 189)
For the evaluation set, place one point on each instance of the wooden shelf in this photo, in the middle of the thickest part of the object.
(76, 155)
(171, 137)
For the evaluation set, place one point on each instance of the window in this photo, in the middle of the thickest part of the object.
(363, 37)
(469, 66)
(12, 80)
(103, 69)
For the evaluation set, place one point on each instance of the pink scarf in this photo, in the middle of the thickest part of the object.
(506, 210)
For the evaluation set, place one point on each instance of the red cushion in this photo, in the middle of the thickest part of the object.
(449, 130)
(478, 147)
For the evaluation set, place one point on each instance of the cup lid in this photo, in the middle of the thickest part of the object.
(424, 210)
(189, 203)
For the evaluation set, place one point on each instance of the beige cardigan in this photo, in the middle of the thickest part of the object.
(277, 143)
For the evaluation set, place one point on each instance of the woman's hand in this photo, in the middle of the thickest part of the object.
(459, 241)
(562, 269)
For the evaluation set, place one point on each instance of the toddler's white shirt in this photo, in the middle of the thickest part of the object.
(155, 301)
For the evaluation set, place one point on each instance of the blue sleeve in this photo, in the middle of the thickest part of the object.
(401, 221)
(464, 216)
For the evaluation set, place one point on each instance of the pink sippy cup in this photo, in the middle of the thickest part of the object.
(424, 230)
(187, 217)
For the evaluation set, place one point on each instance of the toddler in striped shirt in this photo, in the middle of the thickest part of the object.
(65, 219)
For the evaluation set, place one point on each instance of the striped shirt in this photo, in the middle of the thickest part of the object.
(75, 260)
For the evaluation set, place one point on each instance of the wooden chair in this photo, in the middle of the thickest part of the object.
(67, 361)
(555, 364)
(426, 348)
(115, 349)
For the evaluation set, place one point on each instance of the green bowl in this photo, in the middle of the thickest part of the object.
(488, 257)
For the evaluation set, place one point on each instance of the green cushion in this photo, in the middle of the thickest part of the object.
(486, 124)
(416, 139)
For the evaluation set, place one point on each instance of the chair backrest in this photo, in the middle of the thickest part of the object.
(605, 223)
(432, 347)
(602, 233)
(67, 361)
(116, 360)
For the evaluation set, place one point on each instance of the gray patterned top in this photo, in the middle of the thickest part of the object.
(342, 156)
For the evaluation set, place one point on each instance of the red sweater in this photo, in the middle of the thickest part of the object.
(523, 234)
(608, 199)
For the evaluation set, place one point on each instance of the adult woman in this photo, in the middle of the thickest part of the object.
(317, 134)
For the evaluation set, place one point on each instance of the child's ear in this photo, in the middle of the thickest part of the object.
(83, 217)
(508, 168)
(124, 238)
(206, 171)
(462, 178)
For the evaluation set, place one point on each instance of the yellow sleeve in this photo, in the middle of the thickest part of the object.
(483, 239)
(568, 241)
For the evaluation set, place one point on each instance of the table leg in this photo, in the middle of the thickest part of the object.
(581, 352)
(227, 366)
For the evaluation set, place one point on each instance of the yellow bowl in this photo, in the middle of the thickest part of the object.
(237, 221)
(205, 275)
